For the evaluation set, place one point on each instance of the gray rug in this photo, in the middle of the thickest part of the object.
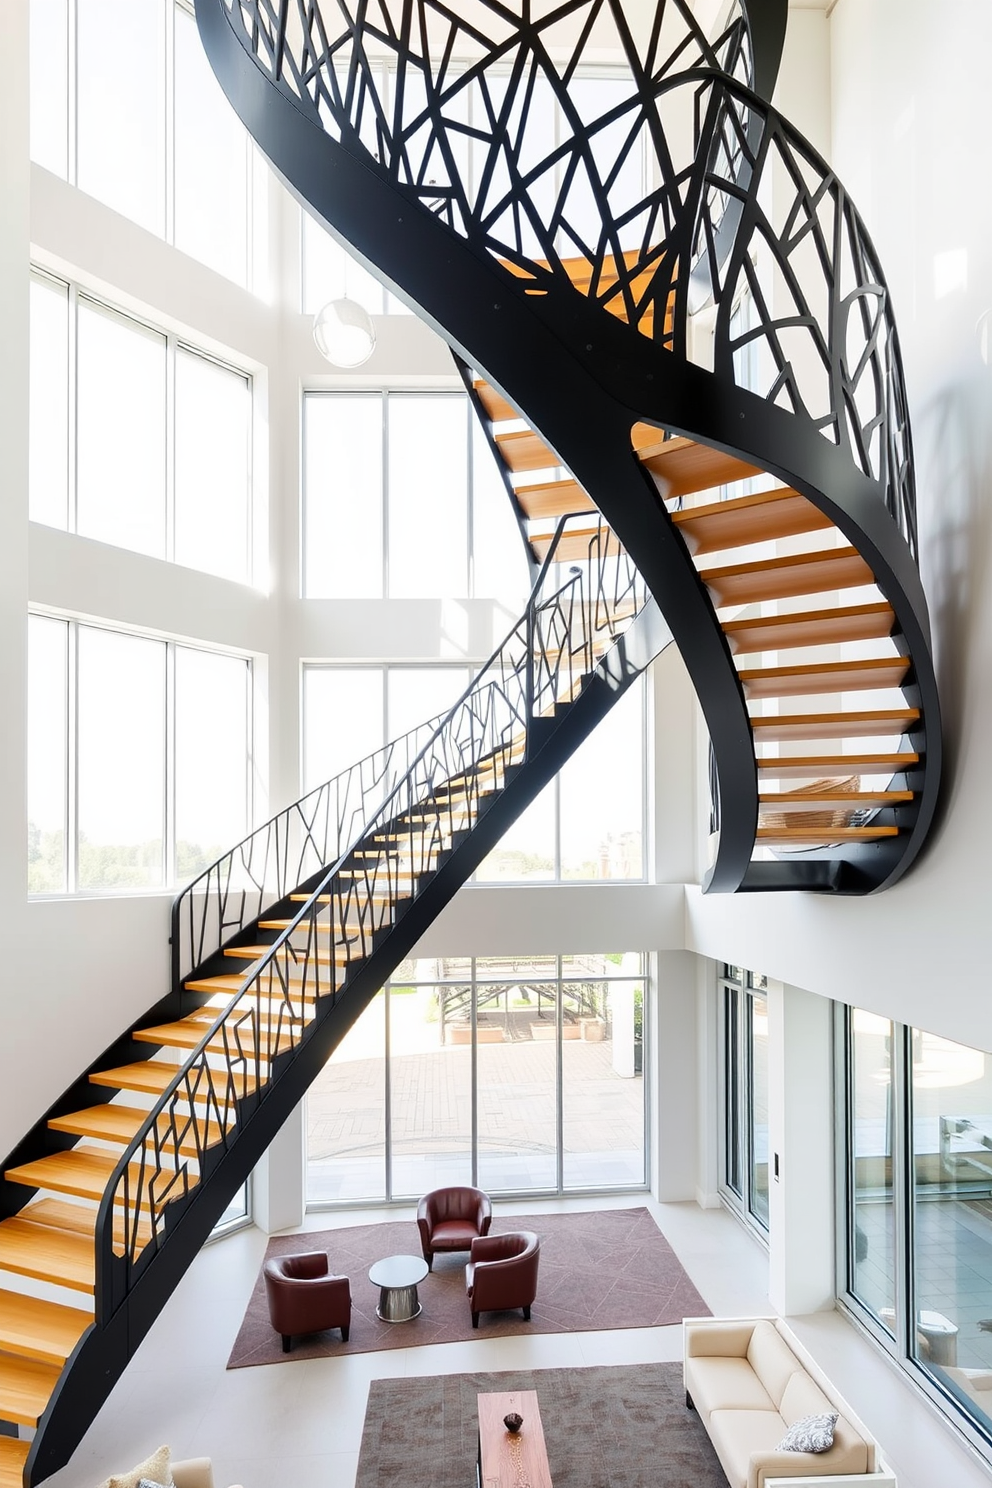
(621, 1427)
(606, 1268)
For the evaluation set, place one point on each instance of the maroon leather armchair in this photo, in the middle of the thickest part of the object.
(304, 1297)
(451, 1218)
(503, 1273)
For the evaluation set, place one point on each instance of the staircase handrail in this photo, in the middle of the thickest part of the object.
(492, 722)
(832, 348)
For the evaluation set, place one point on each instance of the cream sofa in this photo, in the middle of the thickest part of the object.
(750, 1380)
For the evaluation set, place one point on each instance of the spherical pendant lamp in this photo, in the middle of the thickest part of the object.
(344, 333)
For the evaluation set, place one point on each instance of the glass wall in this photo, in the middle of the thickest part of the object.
(402, 500)
(520, 1074)
(183, 166)
(160, 462)
(139, 758)
(744, 1057)
(917, 1263)
(574, 830)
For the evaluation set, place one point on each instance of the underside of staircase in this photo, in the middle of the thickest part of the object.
(763, 521)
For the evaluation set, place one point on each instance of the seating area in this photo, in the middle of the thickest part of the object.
(502, 1273)
(450, 1219)
(305, 1297)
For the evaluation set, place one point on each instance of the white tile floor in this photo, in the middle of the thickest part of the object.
(301, 1423)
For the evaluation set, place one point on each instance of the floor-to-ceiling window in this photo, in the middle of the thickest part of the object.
(744, 1055)
(916, 1257)
(522, 1074)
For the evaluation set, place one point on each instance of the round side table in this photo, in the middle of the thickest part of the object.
(397, 1278)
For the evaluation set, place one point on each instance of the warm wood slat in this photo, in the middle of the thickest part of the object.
(13, 1455)
(856, 800)
(553, 499)
(146, 1075)
(796, 767)
(25, 1389)
(764, 517)
(822, 836)
(834, 725)
(497, 407)
(811, 628)
(235, 982)
(327, 898)
(82, 1171)
(685, 466)
(340, 956)
(187, 1035)
(322, 928)
(525, 450)
(587, 543)
(47, 1254)
(35, 1329)
(78, 1219)
(120, 1123)
(839, 676)
(787, 577)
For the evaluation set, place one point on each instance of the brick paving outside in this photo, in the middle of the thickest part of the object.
(431, 1112)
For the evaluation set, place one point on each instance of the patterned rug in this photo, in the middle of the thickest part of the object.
(609, 1268)
(621, 1427)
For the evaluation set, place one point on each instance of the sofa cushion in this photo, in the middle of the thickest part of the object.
(725, 1384)
(736, 1434)
(727, 1340)
(802, 1397)
(772, 1360)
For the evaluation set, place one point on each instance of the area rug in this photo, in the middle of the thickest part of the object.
(608, 1268)
(620, 1427)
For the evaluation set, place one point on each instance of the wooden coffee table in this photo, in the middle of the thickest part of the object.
(505, 1460)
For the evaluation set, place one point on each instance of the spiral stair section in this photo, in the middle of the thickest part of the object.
(695, 391)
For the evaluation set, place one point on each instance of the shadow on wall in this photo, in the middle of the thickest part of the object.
(953, 439)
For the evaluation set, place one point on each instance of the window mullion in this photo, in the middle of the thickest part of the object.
(170, 123)
(72, 745)
(72, 110)
(559, 1080)
(72, 501)
(902, 1188)
(169, 866)
(384, 496)
(170, 448)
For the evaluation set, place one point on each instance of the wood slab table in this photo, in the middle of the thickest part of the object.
(507, 1460)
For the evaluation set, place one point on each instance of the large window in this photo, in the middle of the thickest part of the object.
(139, 758)
(522, 1074)
(402, 500)
(917, 1253)
(137, 439)
(744, 1049)
(574, 831)
(182, 166)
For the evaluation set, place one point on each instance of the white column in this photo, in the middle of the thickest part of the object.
(24, 1036)
(800, 1151)
(673, 712)
(278, 1191)
(675, 1083)
(708, 1078)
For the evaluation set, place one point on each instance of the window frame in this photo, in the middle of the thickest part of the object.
(70, 859)
(736, 990)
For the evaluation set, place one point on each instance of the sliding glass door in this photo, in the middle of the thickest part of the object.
(744, 1051)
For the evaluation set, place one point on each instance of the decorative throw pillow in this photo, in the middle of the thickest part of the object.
(809, 1434)
(154, 1469)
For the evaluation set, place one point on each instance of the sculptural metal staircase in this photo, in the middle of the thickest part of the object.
(694, 386)
(277, 949)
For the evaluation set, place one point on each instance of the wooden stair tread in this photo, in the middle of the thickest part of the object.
(497, 407)
(587, 543)
(234, 983)
(47, 1254)
(78, 1219)
(795, 767)
(823, 835)
(842, 725)
(811, 628)
(553, 499)
(858, 800)
(36, 1329)
(188, 1034)
(763, 517)
(13, 1455)
(146, 1075)
(25, 1388)
(343, 931)
(831, 676)
(525, 450)
(686, 466)
(83, 1171)
(109, 1123)
(339, 957)
(787, 576)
